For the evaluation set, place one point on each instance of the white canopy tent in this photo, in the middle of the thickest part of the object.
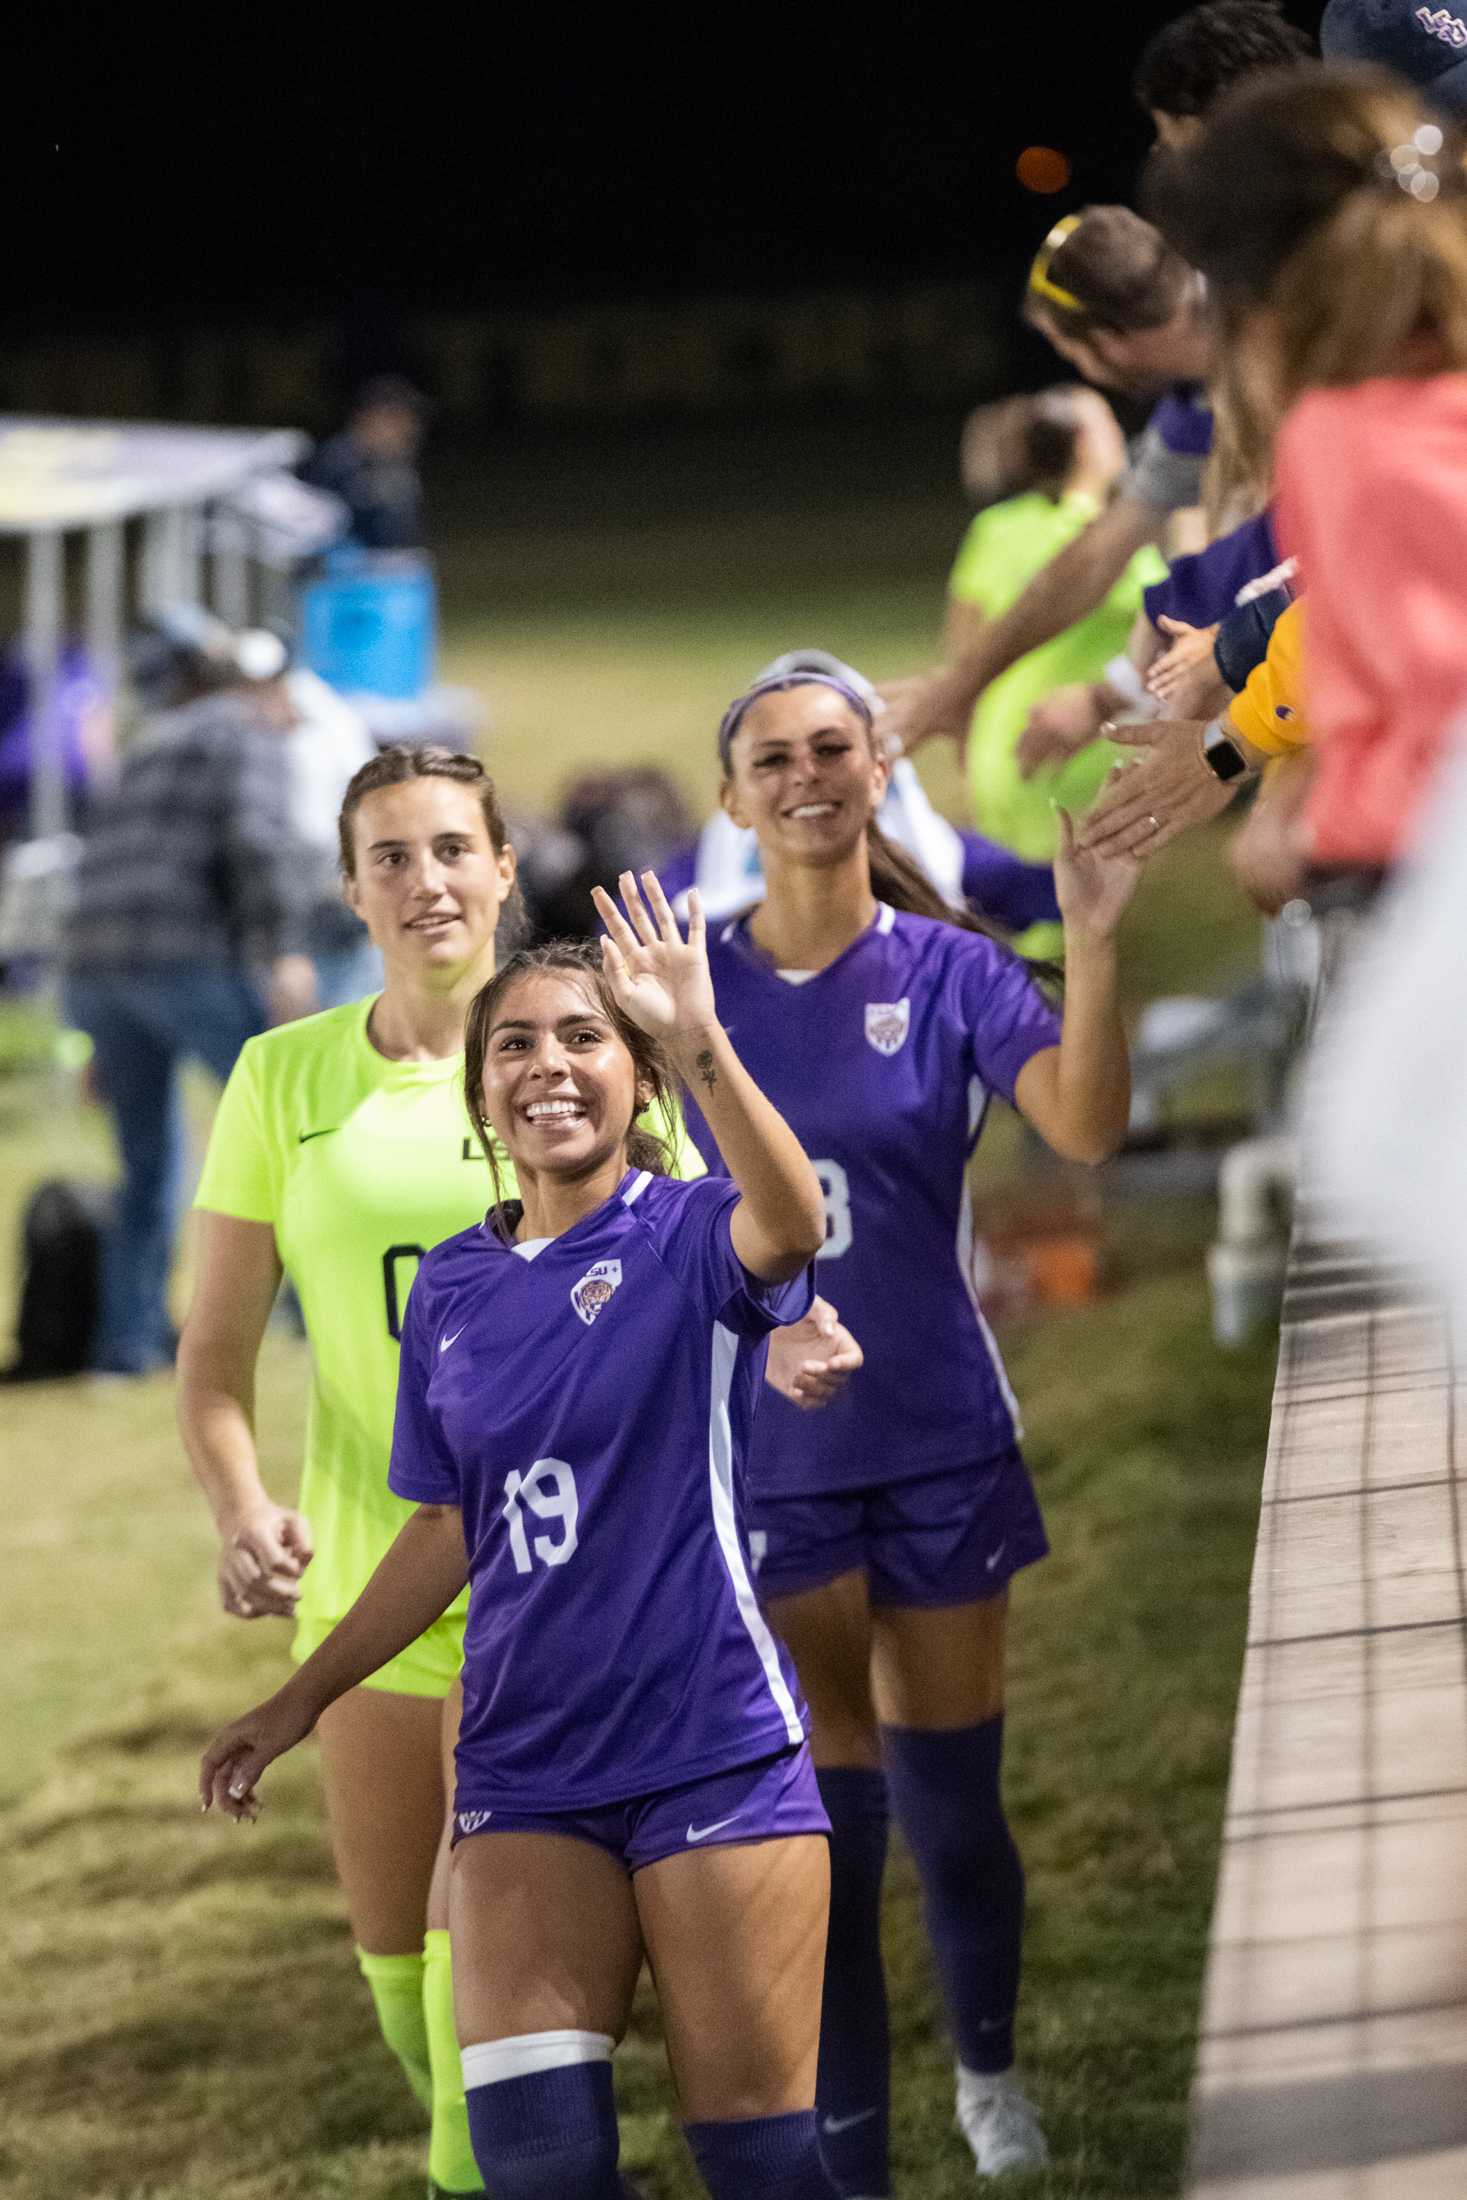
(186, 487)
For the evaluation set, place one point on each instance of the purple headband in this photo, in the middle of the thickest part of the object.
(733, 717)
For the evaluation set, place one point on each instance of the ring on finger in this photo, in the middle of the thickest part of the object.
(1153, 822)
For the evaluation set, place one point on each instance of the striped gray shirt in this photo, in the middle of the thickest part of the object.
(193, 858)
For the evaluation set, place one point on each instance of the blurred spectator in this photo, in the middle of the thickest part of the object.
(1425, 45)
(1192, 60)
(1042, 469)
(187, 933)
(608, 822)
(373, 466)
(85, 718)
(1344, 296)
(1124, 309)
(327, 741)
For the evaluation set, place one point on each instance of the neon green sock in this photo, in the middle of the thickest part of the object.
(451, 2163)
(397, 1990)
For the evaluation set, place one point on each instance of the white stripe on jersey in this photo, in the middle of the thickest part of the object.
(885, 916)
(720, 1477)
(965, 1262)
(637, 1186)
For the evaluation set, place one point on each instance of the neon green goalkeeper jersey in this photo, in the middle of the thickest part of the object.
(360, 1165)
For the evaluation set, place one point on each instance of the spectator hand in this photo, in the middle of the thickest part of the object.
(1058, 728)
(923, 708)
(811, 1360)
(292, 988)
(1184, 678)
(1094, 886)
(1168, 788)
(261, 1562)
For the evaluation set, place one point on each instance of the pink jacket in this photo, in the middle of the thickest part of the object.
(1372, 500)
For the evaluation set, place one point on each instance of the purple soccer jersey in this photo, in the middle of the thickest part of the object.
(589, 1408)
(883, 1065)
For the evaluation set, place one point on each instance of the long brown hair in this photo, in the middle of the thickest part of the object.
(1355, 236)
(651, 1145)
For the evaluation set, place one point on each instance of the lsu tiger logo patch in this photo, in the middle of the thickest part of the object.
(594, 1290)
(886, 1024)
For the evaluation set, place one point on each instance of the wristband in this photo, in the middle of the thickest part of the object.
(1122, 678)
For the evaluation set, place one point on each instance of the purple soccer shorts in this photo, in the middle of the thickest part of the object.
(956, 1537)
(766, 1801)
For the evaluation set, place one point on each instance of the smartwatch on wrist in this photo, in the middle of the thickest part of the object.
(1222, 755)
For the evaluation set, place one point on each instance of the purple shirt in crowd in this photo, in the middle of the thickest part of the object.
(589, 1408)
(883, 1065)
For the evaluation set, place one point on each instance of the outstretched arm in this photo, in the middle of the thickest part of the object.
(1078, 1095)
(663, 983)
(1063, 591)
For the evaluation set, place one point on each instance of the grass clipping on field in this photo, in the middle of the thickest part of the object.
(180, 2010)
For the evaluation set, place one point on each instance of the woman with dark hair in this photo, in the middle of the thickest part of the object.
(1343, 298)
(578, 1375)
(891, 1525)
(1188, 64)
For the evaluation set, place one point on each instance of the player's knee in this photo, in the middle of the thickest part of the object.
(542, 2116)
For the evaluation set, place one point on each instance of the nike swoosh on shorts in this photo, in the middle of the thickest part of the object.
(701, 1833)
(832, 2124)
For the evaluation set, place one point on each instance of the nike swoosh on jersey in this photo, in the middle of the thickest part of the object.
(307, 1136)
(832, 2124)
(701, 1833)
(445, 1342)
(990, 1563)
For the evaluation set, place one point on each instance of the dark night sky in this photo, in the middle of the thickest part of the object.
(264, 180)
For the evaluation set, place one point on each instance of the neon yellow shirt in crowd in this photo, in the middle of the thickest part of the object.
(360, 1165)
(1002, 551)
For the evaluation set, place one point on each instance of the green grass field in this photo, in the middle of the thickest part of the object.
(180, 2014)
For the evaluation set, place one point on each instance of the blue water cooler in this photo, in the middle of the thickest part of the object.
(369, 624)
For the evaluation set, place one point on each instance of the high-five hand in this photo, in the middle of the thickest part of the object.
(1093, 886)
(659, 978)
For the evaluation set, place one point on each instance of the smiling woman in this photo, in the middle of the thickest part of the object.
(341, 1154)
(891, 1526)
(579, 1373)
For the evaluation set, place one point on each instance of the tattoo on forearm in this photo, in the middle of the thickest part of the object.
(703, 1064)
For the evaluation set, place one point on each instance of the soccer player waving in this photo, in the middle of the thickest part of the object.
(577, 1382)
(880, 1022)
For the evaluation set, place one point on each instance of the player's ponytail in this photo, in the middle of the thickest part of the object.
(652, 1140)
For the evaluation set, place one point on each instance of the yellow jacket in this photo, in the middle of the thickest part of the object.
(1269, 713)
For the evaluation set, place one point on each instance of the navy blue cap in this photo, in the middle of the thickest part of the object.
(1425, 45)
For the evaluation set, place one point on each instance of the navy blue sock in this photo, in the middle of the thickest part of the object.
(853, 2091)
(762, 2158)
(548, 2136)
(945, 1792)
